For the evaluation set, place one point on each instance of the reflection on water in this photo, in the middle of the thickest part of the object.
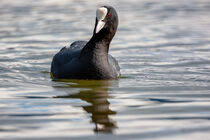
(96, 94)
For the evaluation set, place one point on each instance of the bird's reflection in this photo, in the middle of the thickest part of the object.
(96, 93)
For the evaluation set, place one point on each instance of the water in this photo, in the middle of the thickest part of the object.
(163, 49)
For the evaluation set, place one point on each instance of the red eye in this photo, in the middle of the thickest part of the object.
(108, 15)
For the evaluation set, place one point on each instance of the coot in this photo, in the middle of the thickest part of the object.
(90, 60)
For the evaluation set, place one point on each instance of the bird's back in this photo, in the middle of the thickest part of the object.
(66, 55)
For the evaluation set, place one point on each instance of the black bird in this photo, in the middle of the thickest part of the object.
(90, 60)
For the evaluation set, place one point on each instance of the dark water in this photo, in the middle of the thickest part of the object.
(163, 48)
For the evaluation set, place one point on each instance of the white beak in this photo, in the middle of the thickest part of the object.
(99, 26)
(100, 14)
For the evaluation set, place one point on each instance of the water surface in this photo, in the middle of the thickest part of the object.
(163, 49)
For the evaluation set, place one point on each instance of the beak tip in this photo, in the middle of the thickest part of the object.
(99, 26)
(96, 31)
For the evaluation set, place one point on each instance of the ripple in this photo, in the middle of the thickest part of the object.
(163, 50)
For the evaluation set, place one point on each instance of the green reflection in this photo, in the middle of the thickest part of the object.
(95, 92)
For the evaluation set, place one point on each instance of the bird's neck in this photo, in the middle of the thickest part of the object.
(97, 47)
(95, 55)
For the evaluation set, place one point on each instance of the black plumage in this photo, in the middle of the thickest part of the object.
(89, 60)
